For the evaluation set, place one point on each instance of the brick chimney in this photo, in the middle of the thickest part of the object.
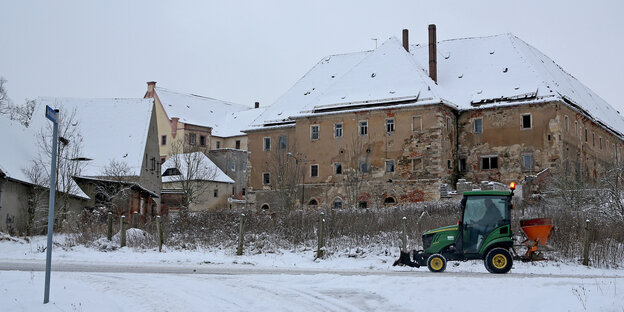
(433, 61)
(174, 126)
(257, 105)
(405, 40)
(150, 89)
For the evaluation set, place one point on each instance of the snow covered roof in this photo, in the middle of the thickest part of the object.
(472, 72)
(235, 122)
(111, 129)
(206, 169)
(20, 148)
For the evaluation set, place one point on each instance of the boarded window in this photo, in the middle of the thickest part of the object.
(417, 123)
(527, 161)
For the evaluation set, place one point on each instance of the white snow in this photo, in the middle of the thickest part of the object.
(18, 148)
(218, 280)
(235, 122)
(112, 129)
(196, 159)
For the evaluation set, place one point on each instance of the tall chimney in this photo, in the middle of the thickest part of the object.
(433, 61)
(405, 40)
(150, 86)
(257, 105)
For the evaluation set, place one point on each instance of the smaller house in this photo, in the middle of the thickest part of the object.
(193, 181)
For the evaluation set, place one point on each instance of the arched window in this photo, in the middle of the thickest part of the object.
(337, 203)
(363, 204)
(265, 207)
(312, 202)
(389, 201)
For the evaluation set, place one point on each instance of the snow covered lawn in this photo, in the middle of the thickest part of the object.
(292, 281)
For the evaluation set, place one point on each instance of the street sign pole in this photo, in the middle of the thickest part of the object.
(53, 116)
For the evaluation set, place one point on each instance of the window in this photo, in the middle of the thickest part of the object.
(565, 124)
(218, 144)
(215, 193)
(527, 161)
(389, 200)
(389, 125)
(586, 135)
(163, 140)
(153, 163)
(171, 172)
(417, 164)
(244, 166)
(267, 144)
(526, 121)
(389, 165)
(448, 124)
(489, 162)
(314, 132)
(233, 166)
(600, 142)
(462, 165)
(575, 127)
(266, 178)
(417, 123)
(312, 202)
(337, 203)
(593, 139)
(363, 204)
(338, 130)
(282, 141)
(448, 164)
(237, 144)
(337, 168)
(364, 127)
(363, 167)
(478, 125)
(314, 170)
(265, 207)
(243, 191)
(202, 140)
(192, 139)
(163, 159)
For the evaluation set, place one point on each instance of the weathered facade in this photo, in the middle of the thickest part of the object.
(369, 129)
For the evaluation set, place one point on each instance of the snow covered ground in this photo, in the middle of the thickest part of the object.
(85, 279)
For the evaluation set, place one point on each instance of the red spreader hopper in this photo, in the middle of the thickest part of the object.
(537, 232)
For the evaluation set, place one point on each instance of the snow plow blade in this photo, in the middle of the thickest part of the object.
(405, 259)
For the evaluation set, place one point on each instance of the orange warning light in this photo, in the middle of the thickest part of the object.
(512, 185)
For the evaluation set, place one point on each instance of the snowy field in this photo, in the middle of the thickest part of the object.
(86, 279)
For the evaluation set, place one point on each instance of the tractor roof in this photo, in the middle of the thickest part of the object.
(487, 193)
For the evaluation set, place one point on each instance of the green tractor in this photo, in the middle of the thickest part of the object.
(484, 232)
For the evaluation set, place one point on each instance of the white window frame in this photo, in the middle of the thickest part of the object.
(390, 125)
(264, 143)
(336, 167)
(266, 174)
(338, 130)
(474, 125)
(317, 132)
(312, 171)
(365, 127)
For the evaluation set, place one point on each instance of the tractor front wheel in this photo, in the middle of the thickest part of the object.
(498, 261)
(436, 263)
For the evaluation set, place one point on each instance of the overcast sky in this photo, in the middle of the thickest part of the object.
(247, 51)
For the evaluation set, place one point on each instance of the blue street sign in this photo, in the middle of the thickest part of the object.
(51, 114)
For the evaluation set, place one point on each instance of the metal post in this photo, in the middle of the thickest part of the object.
(135, 219)
(46, 296)
(160, 233)
(241, 236)
(109, 235)
(321, 243)
(586, 244)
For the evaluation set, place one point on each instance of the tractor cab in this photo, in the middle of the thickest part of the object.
(485, 218)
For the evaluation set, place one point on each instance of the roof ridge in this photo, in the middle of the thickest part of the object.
(195, 95)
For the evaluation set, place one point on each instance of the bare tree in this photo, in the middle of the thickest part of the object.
(5, 101)
(285, 167)
(112, 189)
(68, 152)
(21, 113)
(191, 171)
(358, 171)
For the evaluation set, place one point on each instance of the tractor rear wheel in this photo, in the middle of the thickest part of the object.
(436, 263)
(498, 261)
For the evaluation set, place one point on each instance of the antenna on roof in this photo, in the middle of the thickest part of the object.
(375, 42)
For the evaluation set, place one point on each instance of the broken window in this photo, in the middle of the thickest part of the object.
(390, 125)
(312, 202)
(267, 144)
(238, 144)
(282, 141)
(462, 165)
(363, 205)
(266, 178)
(202, 140)
(527, 161)
(526, 121)
(448, 164)
(364, 127)
(417, 164)
(478, 125)
(314, 170)
(215, 193)
(417, 123)
(314, 132)
(389, 200)
(337, 203)
(389, 165)
(338, 130)
(489, 162)
(337, 168)
(363, 167)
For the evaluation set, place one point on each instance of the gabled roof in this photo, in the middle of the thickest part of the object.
(206, 170)
(20, 147)
(235, 122)
(111, 129)
(195, 109)
(472, 73)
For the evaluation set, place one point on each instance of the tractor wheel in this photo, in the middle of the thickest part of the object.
(498, 261)
(436, 263)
